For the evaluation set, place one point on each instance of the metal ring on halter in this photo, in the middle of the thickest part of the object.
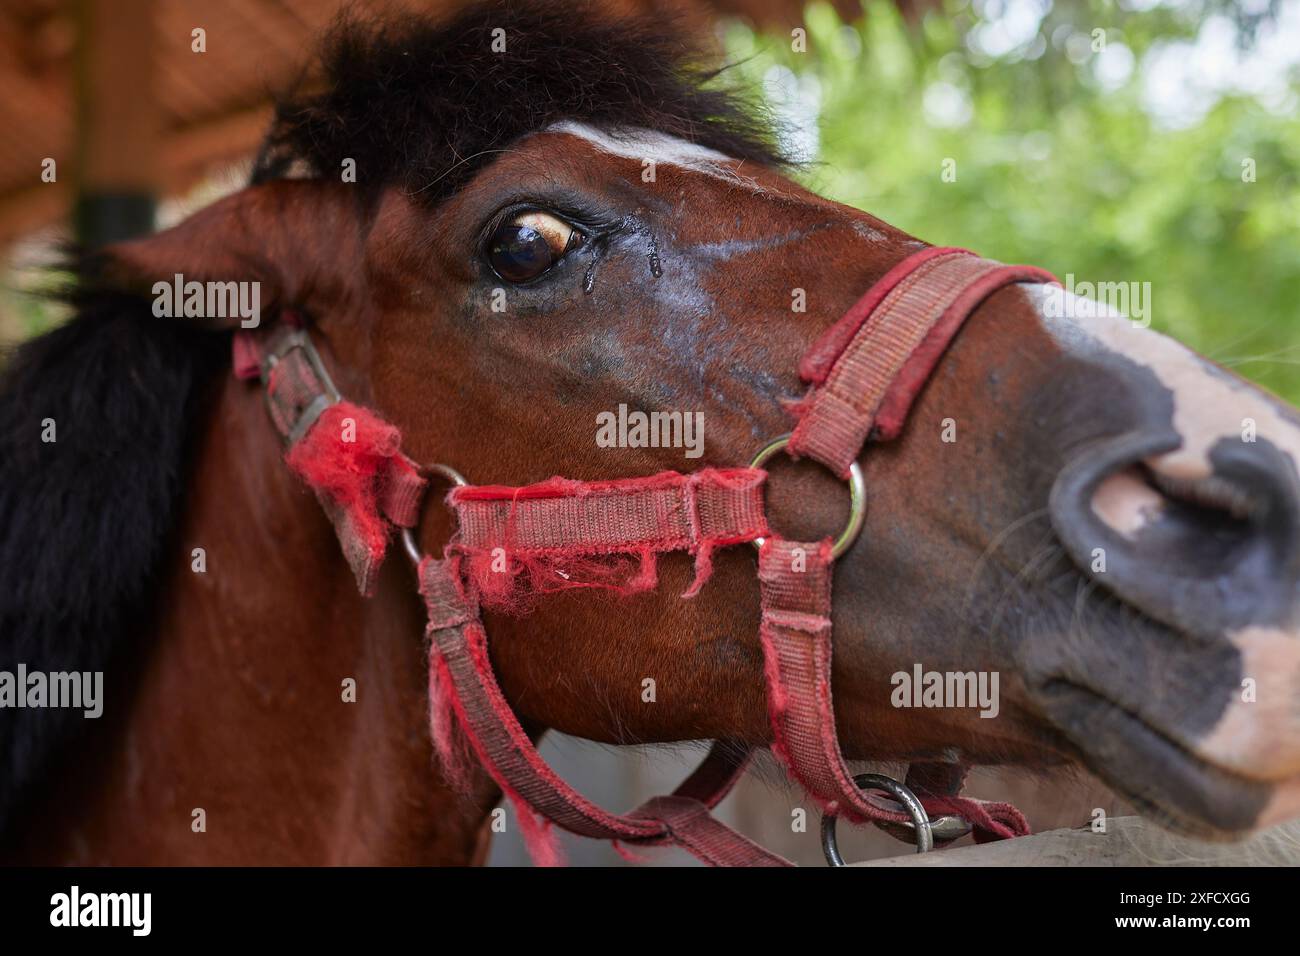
(857, 497)
(901, 793)
(408, 534)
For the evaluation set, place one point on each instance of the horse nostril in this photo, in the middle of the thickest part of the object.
(1203, 523)
(1212, 493)
(1204, 552)
(1251, 496)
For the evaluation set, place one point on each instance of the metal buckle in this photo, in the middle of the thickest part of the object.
(289, 340)
(408, 534)
(901, 793)
(857, 498)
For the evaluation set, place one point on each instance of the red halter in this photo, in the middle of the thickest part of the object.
(514, 544)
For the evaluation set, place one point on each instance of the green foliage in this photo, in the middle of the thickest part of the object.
(1056, 168)
(27, 304)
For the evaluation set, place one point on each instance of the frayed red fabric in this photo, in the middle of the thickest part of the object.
(821, 357)
(539, 836)
(348, 455)
(346, 458)
(990, 820)
(246, 357)
(891, 415)
(625, 854)
(868, 369)
(509, 757)
(447, 717)
(513, 583)
(519, 544)
(449, 743)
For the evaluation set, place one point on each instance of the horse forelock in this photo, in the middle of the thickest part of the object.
(424, 104)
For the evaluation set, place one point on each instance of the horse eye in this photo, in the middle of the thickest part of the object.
(527, 245)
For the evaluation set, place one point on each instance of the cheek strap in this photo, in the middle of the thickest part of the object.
(349, 456)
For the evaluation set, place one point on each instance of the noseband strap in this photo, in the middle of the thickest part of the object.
(868, 368)
(864, 373)
(548, 531)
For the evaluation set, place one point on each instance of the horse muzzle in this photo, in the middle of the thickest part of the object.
(1200, 687)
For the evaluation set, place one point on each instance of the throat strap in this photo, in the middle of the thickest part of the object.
(459, 650)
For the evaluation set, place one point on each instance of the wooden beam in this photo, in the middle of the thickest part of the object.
(224, 138)
(24, 211)
(188, 155)
(119, 163)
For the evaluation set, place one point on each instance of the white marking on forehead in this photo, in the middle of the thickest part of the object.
(869, 233)
(1209, 404)
(660, 148)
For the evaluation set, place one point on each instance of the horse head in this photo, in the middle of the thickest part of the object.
(543, 238)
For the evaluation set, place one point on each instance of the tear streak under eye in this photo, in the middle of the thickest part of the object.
(600, 243)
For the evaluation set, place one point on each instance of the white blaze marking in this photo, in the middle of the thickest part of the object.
(660, 148)
(1209, 404)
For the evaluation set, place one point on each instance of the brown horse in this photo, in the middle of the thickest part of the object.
(536, 235)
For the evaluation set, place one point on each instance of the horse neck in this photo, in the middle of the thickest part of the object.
(239, 708)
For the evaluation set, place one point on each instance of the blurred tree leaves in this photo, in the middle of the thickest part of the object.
(1057, 161)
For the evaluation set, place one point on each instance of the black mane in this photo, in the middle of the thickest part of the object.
(424, 105)
(84, 519)
(86, 522)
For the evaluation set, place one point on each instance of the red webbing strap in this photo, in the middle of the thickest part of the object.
(665, 512)
(347, 455)
(865, 373)
(557, 530)
(459, 644)
(868, 368)
(795, 583)
(691, 827)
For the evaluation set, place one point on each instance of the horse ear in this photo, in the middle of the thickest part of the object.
(274, 241)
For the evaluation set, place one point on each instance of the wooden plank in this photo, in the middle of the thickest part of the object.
(1128, 841)
(119, 126)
